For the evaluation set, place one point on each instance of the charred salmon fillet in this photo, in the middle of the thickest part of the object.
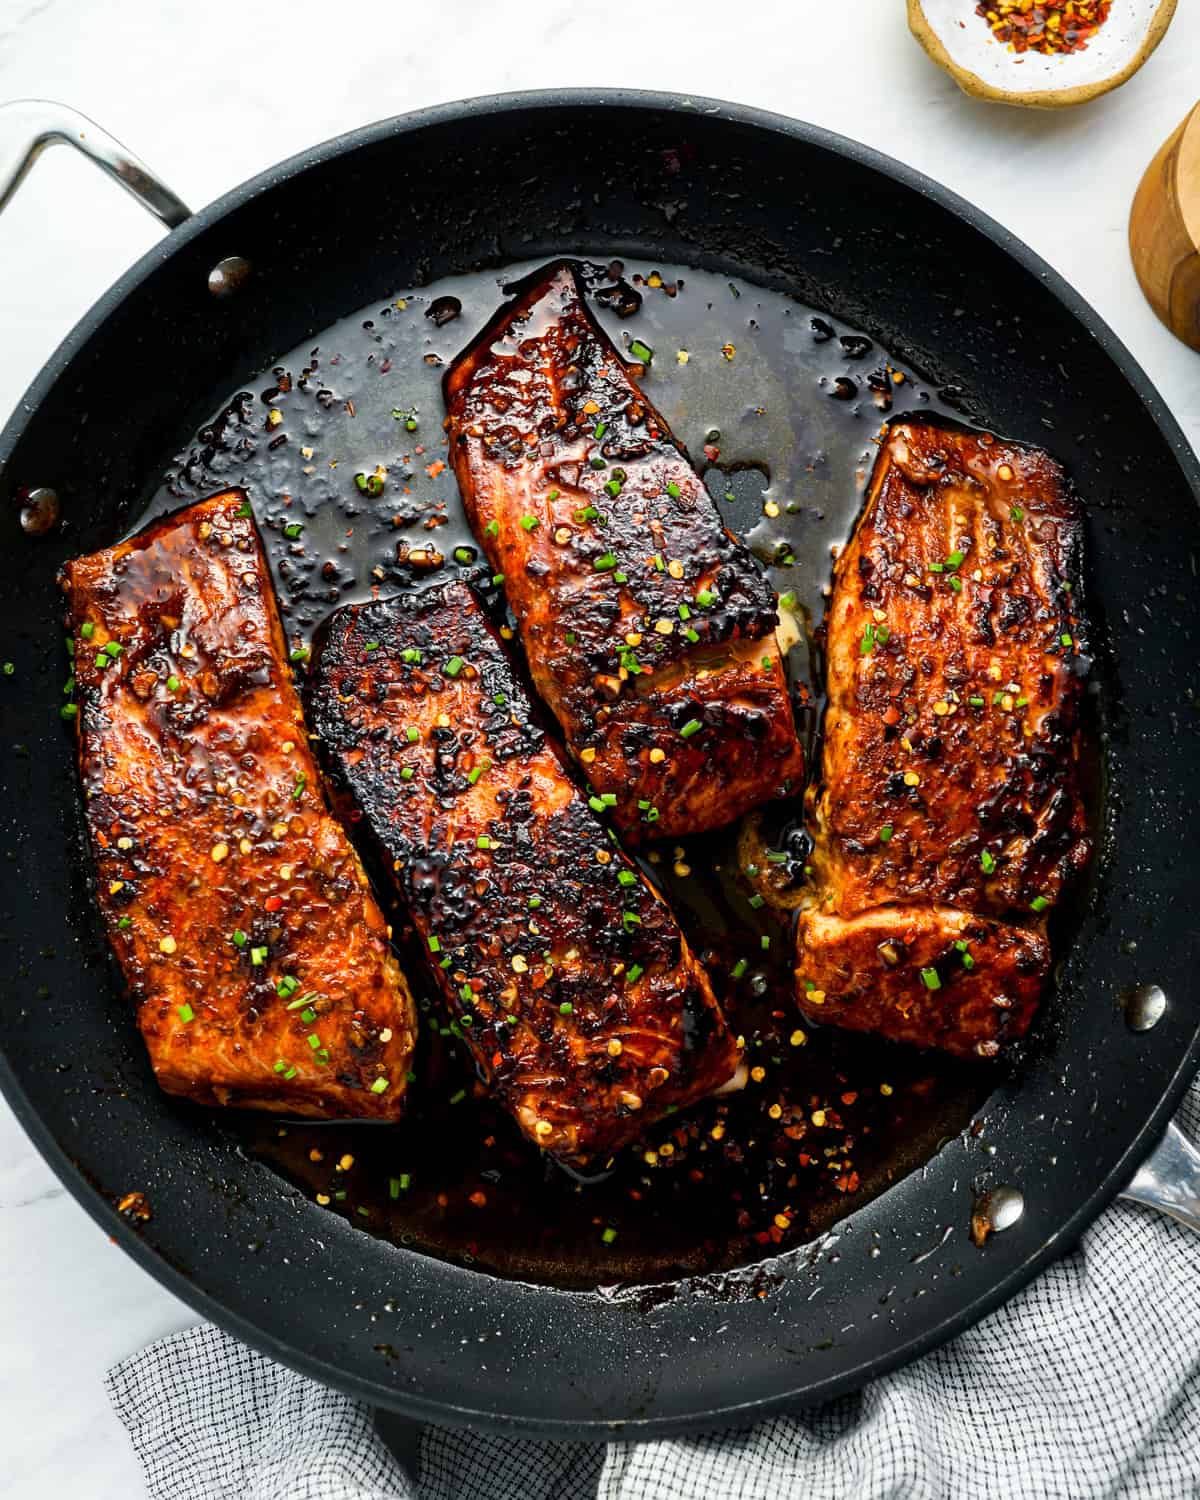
(949, 815)
(649, 629)
(256, 956)
(574, 987)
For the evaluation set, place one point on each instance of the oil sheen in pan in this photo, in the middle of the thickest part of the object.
(341, 449)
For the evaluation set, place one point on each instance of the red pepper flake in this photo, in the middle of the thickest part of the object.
(847, 1183)
(435, 468)
(1052, 27)
(479, 1199)
(273, 903)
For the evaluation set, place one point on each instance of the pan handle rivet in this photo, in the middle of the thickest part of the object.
(996, 1210)
(1144, 1006)
(229, 275)
(39, 511)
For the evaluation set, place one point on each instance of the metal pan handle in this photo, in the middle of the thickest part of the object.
(1169, 1179)
(28, 126)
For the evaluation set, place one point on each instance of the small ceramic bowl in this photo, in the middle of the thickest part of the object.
(961, 42)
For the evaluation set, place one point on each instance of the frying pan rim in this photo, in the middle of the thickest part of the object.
(91, 1197)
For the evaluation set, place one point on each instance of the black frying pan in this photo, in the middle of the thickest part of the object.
(788, 206)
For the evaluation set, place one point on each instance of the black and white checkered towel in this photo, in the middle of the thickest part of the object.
(1086, 1384)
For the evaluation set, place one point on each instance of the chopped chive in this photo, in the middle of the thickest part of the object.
(186, 1013)
(566, 1008)
(1039, 903)
(757, 900)
(298, 789)
(633, 973)
(605, 564)
(457, 1098)
(125, 923)
(9, 668)
(609, 1234)
(379, 1086)
(596, 462)
(464, 555)
(955, 559)
(243, 511)
(552, 495)
(239, 938)
(588, 513)
(412, 734)
(931, 979)
(739, 968)
(867, 644)
(280, 1065)
(293, 531)
(87, 630)
(652, 816)
(673, 490)
(410, 656)
(286, 986)
(612, 487)
(483, 842)
(393, 1187)
(882, 634)
(693, 726)
(777, 857)
(975, 702)
(371, 646)
(599, 430)
(705, 597)
(659, 565)
(477, 771)
(967, 961)
(626, 877)
(691, 635)
(173, 684)
(595, 804)
(492, 528)
(788, 600)
(307, 1015)
(258, 956)
(885, 833)
(956, 585)
(314, 1041)
(301, 653)
(937, 568)
(453, 667)
(987, 861)
(684, 612)
(641, 352)
(1064, 638)
(609, 799)
(435, 944)
(1016, 514)
(621, 577)
(68, 711)
(765, 941)
(530, 523)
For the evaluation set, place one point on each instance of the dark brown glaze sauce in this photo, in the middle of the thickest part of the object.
(778, 406)
(577, 997)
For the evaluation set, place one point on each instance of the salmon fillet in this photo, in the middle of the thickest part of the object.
(649, 629)
(253, 949)
(576, 992)
(950, 779)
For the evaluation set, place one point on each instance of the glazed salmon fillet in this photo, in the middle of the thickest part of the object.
(649, 629)
(576, 992)
(949, 815)
(253, 949)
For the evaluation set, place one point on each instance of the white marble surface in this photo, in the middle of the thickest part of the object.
(210, 95)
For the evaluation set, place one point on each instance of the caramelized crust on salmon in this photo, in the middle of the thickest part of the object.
(950, 778)
(576, 992)
(257, 957)
(648, 627)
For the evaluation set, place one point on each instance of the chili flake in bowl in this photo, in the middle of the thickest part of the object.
(1040, 53)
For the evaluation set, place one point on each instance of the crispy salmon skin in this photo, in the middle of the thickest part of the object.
(950, 778)
(649, 629)
(253, 949)
(575, 990)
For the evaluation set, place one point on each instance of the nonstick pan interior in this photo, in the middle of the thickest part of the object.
(689, 183)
